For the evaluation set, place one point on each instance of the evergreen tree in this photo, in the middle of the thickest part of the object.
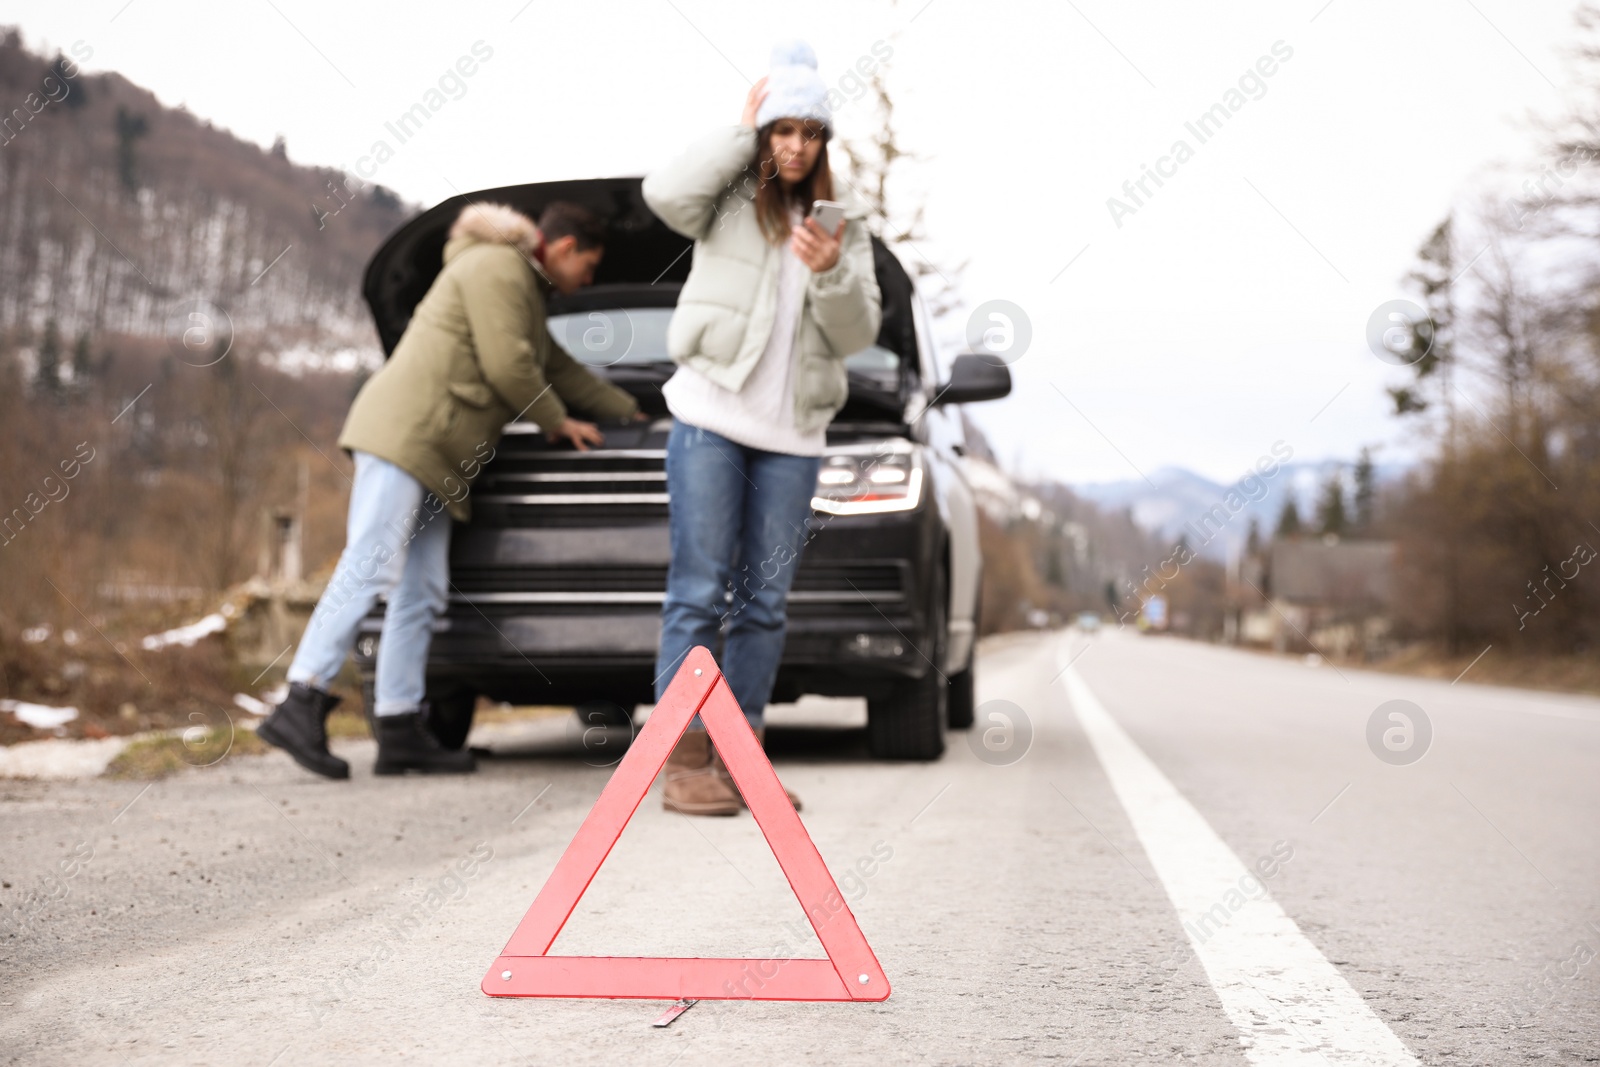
(83, 369)
(1288, 520)
(76, 95)
(1434, 275)
(1366, 494)
(130, 128)
(386, 200)
(1054, 573)
(47, 380)
(1331, 515)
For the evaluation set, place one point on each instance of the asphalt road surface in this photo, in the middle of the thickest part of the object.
(1151, 851)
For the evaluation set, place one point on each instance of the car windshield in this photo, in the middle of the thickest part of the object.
(632, 336)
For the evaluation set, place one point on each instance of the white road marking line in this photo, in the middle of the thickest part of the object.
(1289, 1004)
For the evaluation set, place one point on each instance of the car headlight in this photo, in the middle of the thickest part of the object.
(869, 479)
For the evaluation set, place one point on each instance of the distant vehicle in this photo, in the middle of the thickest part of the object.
(1154, 612)
(1088, 621)
(558, 580)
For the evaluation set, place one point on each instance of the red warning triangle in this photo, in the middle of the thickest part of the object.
(850, 972)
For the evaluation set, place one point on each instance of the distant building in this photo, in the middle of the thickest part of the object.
(1329, 596)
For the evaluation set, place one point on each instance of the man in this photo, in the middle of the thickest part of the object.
(475, 356)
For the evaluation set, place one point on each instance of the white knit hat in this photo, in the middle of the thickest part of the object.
(794, 88)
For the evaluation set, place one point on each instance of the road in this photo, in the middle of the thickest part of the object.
(1069, 897)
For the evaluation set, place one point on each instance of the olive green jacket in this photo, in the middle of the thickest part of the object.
(475, 356)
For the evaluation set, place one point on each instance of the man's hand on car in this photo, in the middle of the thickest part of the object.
(581, 434)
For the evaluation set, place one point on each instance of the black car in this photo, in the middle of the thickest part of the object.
(558, 580)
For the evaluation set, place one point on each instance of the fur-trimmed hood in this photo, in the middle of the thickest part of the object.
(495, 224)
(475, 355)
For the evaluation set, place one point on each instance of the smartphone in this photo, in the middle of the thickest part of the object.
(828, 213)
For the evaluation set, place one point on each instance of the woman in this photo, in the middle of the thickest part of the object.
(772, 306)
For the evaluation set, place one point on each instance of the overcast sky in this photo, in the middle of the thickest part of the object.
(1222, 315)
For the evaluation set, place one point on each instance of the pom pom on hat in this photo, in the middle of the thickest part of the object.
(795, 53)
(794, 88)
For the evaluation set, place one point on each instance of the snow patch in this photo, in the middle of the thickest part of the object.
(303, 358)
(186, 636)
(60, 758)
(39, 716)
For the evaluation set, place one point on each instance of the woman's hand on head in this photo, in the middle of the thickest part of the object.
(816, 247)
(752, 103)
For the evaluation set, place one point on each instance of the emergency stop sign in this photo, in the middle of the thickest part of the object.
(849, 972)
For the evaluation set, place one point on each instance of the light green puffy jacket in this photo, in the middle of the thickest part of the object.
(726, 308)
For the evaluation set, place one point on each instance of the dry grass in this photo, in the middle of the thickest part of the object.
(348, 724)
(118, 692)
(519, 713)
(1562, 674)
(165, 754)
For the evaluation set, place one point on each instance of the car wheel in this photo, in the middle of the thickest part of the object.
(449, 717)
(962, 702)
(959, 710)
(909, 723)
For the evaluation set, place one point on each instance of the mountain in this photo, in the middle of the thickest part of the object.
(1176, 502)
(116, 212)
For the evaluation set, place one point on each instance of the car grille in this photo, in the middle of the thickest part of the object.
(548, 488)
(864, 588)
(529, 487)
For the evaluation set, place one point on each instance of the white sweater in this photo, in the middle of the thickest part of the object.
(761, 413)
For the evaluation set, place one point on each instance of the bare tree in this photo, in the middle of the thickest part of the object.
(874, 164)
(237, 450)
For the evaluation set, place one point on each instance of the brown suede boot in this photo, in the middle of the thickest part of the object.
(691, 785)
(722, 771)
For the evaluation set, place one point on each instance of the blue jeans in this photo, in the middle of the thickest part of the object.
(397, 543)
(738, 518)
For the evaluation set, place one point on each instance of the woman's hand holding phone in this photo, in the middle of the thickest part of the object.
(816, 247)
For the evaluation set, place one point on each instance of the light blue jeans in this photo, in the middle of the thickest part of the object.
(397, 543)
(738, 522)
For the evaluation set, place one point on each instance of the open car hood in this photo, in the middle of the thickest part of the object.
(639, 247)
(640, 250)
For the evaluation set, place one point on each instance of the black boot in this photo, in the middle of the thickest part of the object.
(299, 726)
(405, 744)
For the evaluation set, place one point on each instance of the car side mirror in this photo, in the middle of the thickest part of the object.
(974, 377)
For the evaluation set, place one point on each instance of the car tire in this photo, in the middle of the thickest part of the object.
(909, 723)
(959, 708)
(962, 702)
(449, 717)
